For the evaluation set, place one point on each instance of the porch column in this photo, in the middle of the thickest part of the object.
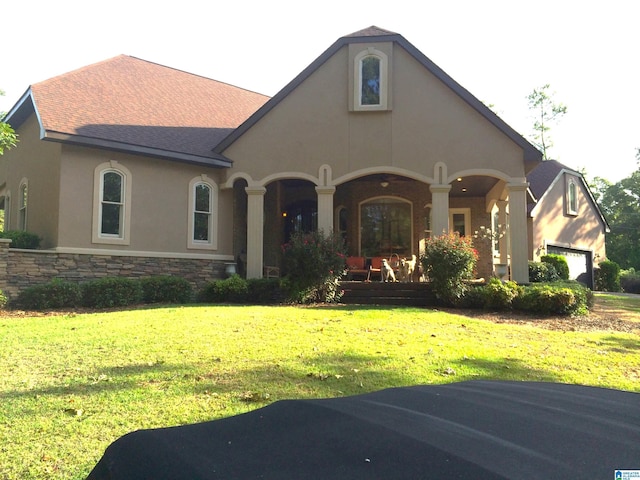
(503, 240)
(255, 230)
(325, 209)
(439, 208)
(518, 231)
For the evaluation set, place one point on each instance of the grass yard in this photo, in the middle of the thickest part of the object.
(72, 384)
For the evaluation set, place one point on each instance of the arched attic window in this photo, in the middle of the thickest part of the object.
(371, 80)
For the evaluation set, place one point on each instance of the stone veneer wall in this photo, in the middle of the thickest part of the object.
(20, 269)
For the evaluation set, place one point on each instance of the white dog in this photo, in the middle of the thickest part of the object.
(386, 272)
(407, 269)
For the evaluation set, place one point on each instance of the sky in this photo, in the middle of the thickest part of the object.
(500, 51)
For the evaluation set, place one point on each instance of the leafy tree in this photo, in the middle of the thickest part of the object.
(545, 112)
(620, 204)
(8, 137)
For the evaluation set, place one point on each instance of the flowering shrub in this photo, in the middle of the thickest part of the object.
(448, 261)
(313, 265)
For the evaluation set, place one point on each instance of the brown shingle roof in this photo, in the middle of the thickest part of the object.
(140, 103)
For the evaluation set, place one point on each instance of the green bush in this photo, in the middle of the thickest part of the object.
(499, 295)
(234, 289)
(630, 281)
(111, 292)
(21, 239)
(558, 298)
(313, 265)
(448, 262)
(55, 294)
(542, 272)
(3, 299)
(264, 291)
(559, 262)
(607, 277)
(166, 289)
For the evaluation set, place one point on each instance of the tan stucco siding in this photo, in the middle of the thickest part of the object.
(36, 161)
(552, 223)
(159, 203)
(427, 123)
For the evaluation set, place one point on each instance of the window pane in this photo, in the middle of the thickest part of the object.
(111, 219)
(23, 196)
(370, 81)
(112, 187)
(203, 198)
(201, 226)
(385, 228)
(459, 223)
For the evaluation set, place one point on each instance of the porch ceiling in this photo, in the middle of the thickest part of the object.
(473, 186)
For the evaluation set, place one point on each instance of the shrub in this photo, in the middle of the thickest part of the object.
(449, 260)
(111, 292)
(542, 272)
(21, 239)
(313, 265)
(558, 298)
(230, 290)
(630, 281)
(166, 289)
(499, 295)
(559, 262)
(264, 291)
(3, 299)
(55, 294)
(607, 277)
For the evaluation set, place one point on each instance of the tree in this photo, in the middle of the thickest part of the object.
(8, 137)
(620, 204)
(545, 112)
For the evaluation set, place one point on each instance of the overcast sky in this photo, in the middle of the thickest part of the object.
(588, 52)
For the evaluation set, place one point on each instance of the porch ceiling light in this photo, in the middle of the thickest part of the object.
(384, 184)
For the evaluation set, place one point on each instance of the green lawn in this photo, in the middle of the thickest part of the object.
(70, 385)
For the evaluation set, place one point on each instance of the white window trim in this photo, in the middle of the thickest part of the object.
(571, 183)
(23, 205)
(467, 218)
(96, 236)
(384, 81)
(7, 211)
(212, 243)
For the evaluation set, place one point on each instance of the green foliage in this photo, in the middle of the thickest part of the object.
(542, 272)
(498, 295)
(234, 289)
(3, 299)
(111, 292)
(264, 291)
(630, 281)
(560, 264)
(448, 262)
(313, 265)
(8, 137)
(21, 239)
(545, 112)
(607, 277)
(52, 295)
(558, 298)
(166, 289)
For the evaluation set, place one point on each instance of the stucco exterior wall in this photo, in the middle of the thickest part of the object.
(428, 123)
(552, 224)
(159, 203)
(38, 162)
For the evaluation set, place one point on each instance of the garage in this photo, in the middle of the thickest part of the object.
(579, 261)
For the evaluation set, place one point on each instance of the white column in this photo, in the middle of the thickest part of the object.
(439, 209)
(255, 230)
(325, 209)
(503, 240)
(518, 231)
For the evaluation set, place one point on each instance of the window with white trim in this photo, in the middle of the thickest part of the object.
(111, 204)
(572, 197)
(460, 221)
(203, 199)
(22, 207)
(371, 85)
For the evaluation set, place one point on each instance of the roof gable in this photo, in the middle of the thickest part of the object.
(531, 155)
(131, 104)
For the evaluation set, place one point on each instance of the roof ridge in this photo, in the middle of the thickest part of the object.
(371, 31)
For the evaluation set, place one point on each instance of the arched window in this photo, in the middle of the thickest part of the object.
(371, 82)
(203, 199)
(22, 207)
(111, 204)
(572, 197)
(386, 227)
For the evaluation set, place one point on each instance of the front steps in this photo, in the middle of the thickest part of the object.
(379, 293)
